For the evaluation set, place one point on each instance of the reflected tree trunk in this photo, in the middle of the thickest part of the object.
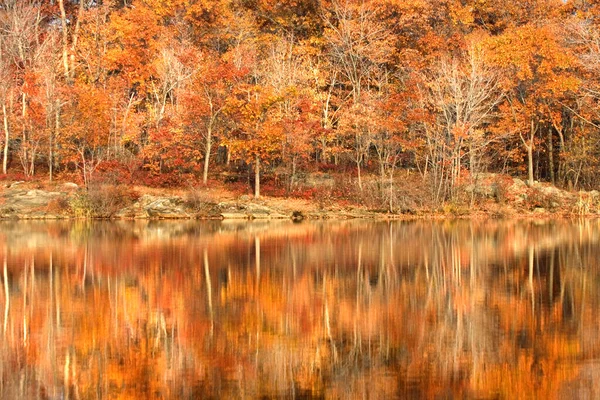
(551, 157)
(6, 294)
(531, 264)
(257, 259)
(25, 288)
(257, 177)
(327, 323)
(208, 292)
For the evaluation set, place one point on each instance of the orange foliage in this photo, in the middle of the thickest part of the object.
(170, 85)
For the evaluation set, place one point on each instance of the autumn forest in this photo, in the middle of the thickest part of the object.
(168, 92)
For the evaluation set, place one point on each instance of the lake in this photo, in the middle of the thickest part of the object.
(335, 310)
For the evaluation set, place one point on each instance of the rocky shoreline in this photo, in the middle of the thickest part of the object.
(498, 197)
(20, 202)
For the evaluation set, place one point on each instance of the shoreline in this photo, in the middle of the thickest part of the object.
(68, 201)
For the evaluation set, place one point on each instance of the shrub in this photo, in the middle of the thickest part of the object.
(101, 201)
(456, 209)
(323, 197)
(112, 172)
(537, 198)
(306, 193)
(165, 179)
(199, 201)
(80, 205)
(586, 204)
(59, 205)
(16, 176)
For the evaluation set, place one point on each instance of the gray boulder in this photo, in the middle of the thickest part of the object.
(33, 203)
(154, 207)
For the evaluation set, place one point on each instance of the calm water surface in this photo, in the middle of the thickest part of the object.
(336, 310)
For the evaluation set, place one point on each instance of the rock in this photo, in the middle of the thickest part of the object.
(234, 216)
(230, 210)
(297, 216)
(258, 209)
(34, 193)
(539, 210)
(14, 184)
(484, 189)
(552, 191)
(154, 207)
(166, 208)
(29, 204)
(231, 206)
(34, 197)
(132, 212)
(70, 185)
(518, 184)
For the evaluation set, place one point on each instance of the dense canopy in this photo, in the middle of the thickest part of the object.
(162, 92)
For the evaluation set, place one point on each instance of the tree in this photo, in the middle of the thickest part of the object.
(393, 115)
(171, 73)
(6, 89)
(133, 44)
(359, 45)
(462, 93)
(259, 131)
(204, 101)
(537, 75)
(23, 48)
(576, 123)
(86, 129)
(300, 127)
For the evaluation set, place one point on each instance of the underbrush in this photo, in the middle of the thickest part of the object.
(199, 200)
(101, 200)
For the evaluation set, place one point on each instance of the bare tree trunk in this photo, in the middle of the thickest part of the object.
(84, 169)
(561, 162)
(32, 163)
(6, 138)
(293, 176)
(75, 38)
(207, 153)
(360, 186)
(52, 136)
(530, 179)
(551, 157)
(257, 178)
(24, 142)
(529, 147)
(119, 141)
(391, 189)
(65, 38)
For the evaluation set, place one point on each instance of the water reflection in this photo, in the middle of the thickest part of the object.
(452, 309)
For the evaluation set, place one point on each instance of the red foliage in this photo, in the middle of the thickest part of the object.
(166, 179)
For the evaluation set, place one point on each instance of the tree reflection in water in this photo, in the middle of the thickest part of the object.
(453, 309)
